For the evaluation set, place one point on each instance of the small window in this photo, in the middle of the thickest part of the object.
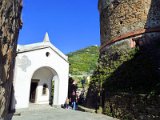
(44, 91)
(47, 54)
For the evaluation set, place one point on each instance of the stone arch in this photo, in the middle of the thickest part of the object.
(45, 75)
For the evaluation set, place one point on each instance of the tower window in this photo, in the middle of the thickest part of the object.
(121, 22)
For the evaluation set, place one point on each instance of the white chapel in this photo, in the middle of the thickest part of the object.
(40, 75)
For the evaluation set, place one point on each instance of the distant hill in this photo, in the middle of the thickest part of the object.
(83, 61)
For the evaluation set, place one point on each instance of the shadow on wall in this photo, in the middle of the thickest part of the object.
(145, 63)
(132, 90)
(130, 77)
(153, 19)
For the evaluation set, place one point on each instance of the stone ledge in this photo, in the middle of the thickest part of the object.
(129, 35)
(84, 109)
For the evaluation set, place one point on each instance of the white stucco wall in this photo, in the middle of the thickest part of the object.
(28, 63)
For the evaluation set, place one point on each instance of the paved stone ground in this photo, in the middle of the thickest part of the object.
(50, 113)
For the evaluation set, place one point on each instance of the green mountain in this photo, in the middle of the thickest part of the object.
(83, 61)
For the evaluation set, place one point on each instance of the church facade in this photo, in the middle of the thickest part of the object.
(40, 75)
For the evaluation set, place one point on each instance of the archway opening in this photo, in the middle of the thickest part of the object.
(44, 86)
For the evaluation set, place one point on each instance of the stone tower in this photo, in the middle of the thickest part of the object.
(10, 24)
(127, 20)
(129, 67)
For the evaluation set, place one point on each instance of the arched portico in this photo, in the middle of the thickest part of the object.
(41, 86)
(37, 65)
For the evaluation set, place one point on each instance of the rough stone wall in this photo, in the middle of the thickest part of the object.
(133, 106)
(10, 23)
(131, 81)
(122, 17)
(129, 61)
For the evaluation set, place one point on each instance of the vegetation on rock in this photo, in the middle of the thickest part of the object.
(126, 82)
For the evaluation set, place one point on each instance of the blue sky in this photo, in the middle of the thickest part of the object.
(71, 24)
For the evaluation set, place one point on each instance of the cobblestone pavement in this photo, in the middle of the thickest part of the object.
(50, 113)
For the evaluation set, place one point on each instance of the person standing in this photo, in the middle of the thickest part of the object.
(73, 100)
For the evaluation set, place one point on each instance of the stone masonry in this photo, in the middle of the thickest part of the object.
(121, 19)
(10, 23)
(129, 58)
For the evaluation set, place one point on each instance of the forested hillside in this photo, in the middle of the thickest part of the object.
(83, 61)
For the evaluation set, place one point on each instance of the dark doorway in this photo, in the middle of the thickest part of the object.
(33, 91)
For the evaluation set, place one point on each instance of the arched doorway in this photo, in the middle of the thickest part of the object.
(41, 86)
